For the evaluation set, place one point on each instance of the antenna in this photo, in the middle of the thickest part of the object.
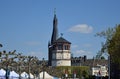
(54, 11)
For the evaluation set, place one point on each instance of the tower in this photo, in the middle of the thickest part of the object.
(58, 49)
(61, 55)
(53, 39)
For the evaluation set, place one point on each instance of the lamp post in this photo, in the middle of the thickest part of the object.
(19, 63)
(43, 63)
(108, 66)
(1, 52)
(7, 70)
(108, 55)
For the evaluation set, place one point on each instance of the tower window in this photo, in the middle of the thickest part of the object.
(66, 47)
(59, 47)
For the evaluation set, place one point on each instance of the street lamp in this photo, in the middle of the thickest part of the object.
(43, 63)
(1, 46)
(109, 60)
(108, 66)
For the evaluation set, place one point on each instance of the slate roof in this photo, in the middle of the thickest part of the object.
(92, 62)
(62, 40)
(89, 62)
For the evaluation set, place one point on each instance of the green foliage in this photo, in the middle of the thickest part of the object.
(70, 70)
(112, 44)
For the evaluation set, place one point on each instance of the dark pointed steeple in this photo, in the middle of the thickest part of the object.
(55, 29)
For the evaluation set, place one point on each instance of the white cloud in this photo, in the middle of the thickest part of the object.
(82, 28)
(82, 53)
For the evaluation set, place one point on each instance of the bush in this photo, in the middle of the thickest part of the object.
(71, 70)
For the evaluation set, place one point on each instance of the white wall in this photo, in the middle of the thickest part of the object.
(61, 63)
(100, 71)
(61, 58)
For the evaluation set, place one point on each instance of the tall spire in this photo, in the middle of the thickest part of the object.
(55, 29)
(54, 11)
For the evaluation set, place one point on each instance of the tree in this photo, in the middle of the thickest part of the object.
(112, 47)
(112, 44)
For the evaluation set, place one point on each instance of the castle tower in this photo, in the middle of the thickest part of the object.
(58, 48)
(61, 55)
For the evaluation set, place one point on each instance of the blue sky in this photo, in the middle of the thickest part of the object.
(26, 25)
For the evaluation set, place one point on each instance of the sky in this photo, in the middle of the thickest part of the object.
(26, 25)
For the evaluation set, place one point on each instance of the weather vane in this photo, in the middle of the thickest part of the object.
(61, 34)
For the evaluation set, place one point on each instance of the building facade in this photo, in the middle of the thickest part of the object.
(100, 71)
(58, 48)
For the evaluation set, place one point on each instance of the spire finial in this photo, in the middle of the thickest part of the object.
(54, 11)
